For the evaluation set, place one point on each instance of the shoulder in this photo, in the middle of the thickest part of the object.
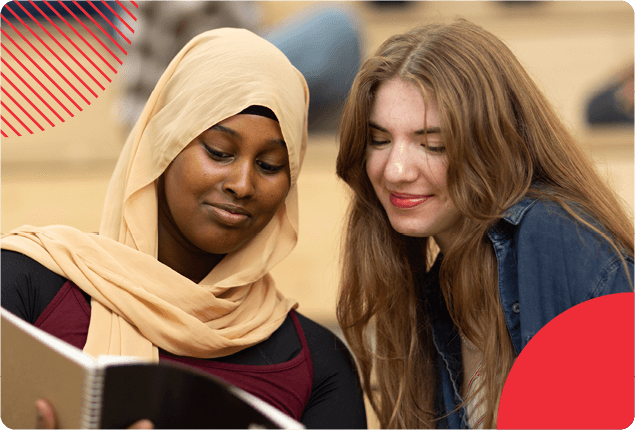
(332, 361)
(17, 264)
(549, 261)
(27, 286)
(18, 269)
(570, 229)
(560, 245)
(323, 343)
(336, 396)
(544, 212)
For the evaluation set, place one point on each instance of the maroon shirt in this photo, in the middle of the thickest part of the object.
(287, 386)
(277, 370)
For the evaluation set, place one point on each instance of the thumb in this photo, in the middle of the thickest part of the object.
(45, 415)
(142, 424)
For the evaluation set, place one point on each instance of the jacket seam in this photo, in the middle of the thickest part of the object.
(605, 276)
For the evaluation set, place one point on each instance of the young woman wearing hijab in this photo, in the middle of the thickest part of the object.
(445, 136)
(202, 204)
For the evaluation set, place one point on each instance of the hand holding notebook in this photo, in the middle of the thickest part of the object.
(115, 392)
(45, 417)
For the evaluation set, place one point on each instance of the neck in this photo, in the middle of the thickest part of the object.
(442, 244)
(185, 258)
(444, 240)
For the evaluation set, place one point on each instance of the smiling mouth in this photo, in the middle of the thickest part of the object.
(233, 209)
(407, 201)
(229, 214)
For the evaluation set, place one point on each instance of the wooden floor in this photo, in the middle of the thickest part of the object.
(61, 176)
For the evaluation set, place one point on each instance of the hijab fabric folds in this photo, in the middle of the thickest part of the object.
(139, 304)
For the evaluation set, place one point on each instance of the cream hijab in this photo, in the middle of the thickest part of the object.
(139, 304)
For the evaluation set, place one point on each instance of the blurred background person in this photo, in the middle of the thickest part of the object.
(322, 41)
(612, 104)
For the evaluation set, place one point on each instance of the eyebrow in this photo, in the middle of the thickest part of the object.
(233, 133)
(428, 130)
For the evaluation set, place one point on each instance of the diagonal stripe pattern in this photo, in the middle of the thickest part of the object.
(57, 57)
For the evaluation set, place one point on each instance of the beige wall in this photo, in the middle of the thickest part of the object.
(60, 176)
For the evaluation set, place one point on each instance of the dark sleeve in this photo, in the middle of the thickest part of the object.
(606, 108)
(27, 286)
(337, 399)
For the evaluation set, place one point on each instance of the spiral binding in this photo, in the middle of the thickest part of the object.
(90, 414)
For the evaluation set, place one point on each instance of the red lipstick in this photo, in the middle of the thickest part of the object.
(407, 201)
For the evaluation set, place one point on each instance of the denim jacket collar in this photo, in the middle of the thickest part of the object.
(515, 213)
(501, 231)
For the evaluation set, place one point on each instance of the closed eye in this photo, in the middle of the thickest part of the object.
(216, 155)
(223, 156)
(435, 149)
(268, 168)
(378, 142)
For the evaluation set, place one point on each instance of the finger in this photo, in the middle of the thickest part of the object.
(142, 424)
(45, 415)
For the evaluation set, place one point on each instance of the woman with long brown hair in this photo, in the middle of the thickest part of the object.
(445, 136)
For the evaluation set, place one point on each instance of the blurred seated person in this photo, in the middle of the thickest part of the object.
(613, 104)
(322, 41)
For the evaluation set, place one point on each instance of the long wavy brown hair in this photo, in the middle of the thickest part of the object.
(502, 138)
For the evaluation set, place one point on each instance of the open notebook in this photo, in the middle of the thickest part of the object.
(115, 392)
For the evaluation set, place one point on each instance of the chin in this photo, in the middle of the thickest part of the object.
(220, 250)
(229, 248)
(217, 248)
(412, 231)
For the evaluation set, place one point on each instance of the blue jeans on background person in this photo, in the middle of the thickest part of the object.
(323, 44)
(322, 41)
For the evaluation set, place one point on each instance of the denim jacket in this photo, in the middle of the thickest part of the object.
(547, 263)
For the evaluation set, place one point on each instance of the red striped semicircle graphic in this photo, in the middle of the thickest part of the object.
(58, 57)
(577, 372)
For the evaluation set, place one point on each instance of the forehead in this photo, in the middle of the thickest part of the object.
(401, 104)
(249, 127)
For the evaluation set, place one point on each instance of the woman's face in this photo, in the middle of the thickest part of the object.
(407, 164)
(227, 184)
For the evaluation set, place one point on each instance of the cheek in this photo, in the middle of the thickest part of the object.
(375, 162)
(438, 174)
(276, 192)
(184, 178)
(172, 182)
(175, 180)
(190, 171)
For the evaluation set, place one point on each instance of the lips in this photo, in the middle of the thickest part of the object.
(407, 201)
(231, 208)
(229, 214)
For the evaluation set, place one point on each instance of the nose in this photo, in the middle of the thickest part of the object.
(400, 164)
(240, 180)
